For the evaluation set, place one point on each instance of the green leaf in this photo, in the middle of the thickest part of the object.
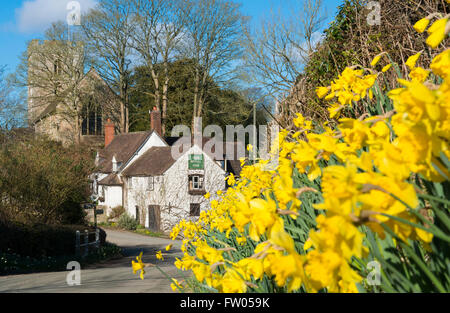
(432, 230)
(416, 259)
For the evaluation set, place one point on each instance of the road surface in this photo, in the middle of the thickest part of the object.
(114, 276)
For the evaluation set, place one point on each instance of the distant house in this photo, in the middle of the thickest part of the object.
(138, 172)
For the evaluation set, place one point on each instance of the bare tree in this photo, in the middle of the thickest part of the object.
(12, 104)
(160, 26)
(108, 28)
(277, 50)
(211, 40)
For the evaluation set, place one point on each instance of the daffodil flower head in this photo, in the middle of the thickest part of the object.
(138, 266)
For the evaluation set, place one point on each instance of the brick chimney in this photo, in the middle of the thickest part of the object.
(109, 132)
(155, 121)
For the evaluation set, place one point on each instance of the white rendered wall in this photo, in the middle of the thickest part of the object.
(176, 193)
(171, 192)
(113, 197)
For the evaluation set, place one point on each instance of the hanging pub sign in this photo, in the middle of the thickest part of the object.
(196, 162)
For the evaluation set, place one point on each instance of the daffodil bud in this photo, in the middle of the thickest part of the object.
(437, 33)
(421, 25)
(412, 60)
(375, 60)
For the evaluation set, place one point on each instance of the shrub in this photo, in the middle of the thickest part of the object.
(127, 222)
(350, 40)
(117, 212)
(42, 181)
(13, 263)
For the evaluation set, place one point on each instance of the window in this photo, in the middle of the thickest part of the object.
(196, 182)
(57, 67)
(92, 119)
(196, 185)
(195, 209)
(96, 184)
(150, 183)
(91, 186)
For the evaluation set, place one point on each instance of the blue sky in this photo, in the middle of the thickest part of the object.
(23, 20)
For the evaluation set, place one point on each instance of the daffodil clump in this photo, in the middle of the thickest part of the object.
(373, 188)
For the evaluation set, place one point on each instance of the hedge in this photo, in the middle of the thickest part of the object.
(42, 240)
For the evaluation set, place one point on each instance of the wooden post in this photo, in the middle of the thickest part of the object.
(77, 243)
(86, 242)
(95, 216)
(97, 238)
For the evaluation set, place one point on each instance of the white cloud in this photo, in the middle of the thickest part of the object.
(37, 15)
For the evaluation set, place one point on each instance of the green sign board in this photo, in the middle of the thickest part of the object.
(196, 162)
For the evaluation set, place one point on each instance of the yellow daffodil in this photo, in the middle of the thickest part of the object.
(441, 64)
(362, 169)
(376, 60)
(386, 68)
(412, 60)
(138, 266)
(175, 285)
(421, 25)
(419, 74)
(159, 256)
(322, 92)
(437, 33)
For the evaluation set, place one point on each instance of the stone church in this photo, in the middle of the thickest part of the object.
(66, 101)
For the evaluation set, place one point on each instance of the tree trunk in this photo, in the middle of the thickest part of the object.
(165, 97)
(196, 96)
(157, 91)
(202, 95)
(127, 120)
(122, 107)
(77, 129)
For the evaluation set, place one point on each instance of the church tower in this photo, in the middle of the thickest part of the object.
(64, 103)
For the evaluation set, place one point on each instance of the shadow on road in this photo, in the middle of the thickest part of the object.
(149, 256)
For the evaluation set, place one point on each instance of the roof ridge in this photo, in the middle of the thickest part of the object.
(132, 133)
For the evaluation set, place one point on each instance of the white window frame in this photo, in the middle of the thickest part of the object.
(150, 183)
(197, 182)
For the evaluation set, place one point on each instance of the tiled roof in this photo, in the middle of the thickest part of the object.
(123, 147)
(154, 162)
(227, 147)
(111, 180)
(157, 159)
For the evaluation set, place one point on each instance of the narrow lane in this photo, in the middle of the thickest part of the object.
(113, 276)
